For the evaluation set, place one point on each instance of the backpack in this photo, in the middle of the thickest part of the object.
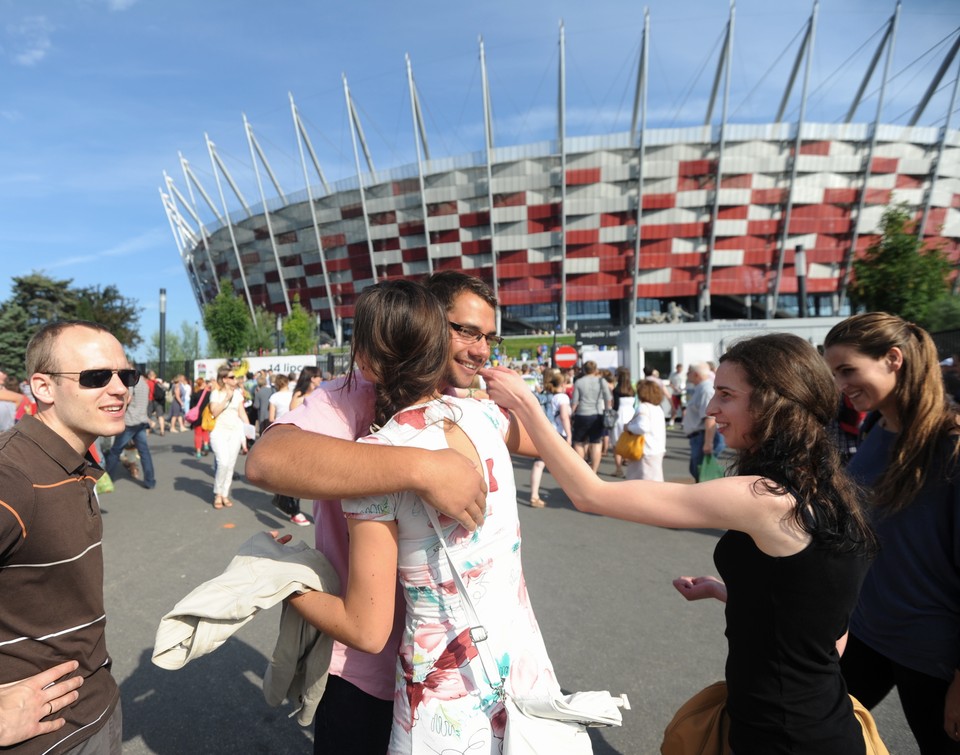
(159, 394)
(544, 398)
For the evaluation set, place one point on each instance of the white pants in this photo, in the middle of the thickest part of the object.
(226, 449)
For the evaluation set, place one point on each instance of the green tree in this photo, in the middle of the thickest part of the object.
(181, 347)
(263, 332)
(227, 322)
(44, 299)
(899, 274)
(298, 331)
(943, 314)
(38, 299)
(121, 316)
(14, 336)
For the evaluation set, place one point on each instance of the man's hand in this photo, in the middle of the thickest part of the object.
(697, 588)
(25, 703)
(454, 486)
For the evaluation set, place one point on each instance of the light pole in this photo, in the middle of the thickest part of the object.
(800, 263)
(163, 330)
(279, 332)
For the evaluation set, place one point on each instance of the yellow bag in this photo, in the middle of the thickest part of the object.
(701, 726)
(871, 737)
(207, 421)
(629, 446)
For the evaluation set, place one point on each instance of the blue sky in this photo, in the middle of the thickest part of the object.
(99, 96)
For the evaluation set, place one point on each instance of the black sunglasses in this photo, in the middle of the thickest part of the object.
(99, 378)
(469, 333)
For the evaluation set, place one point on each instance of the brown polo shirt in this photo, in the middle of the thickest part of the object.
(51, 576)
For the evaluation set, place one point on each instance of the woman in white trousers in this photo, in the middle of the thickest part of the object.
(227, 437)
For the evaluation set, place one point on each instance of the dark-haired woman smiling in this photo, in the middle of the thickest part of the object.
(795, 550)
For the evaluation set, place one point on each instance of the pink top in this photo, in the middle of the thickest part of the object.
(346, 414)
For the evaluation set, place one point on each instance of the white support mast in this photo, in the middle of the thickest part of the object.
(185, 241)
(889, 39)
(190, 180)
(639, 105)
(488, 149)
(725, 60)
(354, 129)
(301, 138)
(214, 161)
(251, 141)
(807, 48)
(561, 139)
(420, 137)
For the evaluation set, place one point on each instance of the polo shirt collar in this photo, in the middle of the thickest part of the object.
(54, 446)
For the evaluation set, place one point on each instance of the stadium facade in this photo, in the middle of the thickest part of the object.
(706, 222)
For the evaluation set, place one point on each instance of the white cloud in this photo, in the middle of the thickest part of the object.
(29, 40)
(135, 245)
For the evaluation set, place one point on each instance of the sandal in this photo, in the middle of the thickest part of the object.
(226, 502)
(537, 503)
(218, 503)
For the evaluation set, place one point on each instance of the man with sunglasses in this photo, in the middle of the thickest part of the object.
(137, 421)
(52, 614)
(328, 466)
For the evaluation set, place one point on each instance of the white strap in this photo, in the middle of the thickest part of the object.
(478, 632)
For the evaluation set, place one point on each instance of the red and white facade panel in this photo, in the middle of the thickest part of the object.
(587, 243)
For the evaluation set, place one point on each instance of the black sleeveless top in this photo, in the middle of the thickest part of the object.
(784, 615)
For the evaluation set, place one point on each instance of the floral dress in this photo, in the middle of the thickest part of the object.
(443, 702)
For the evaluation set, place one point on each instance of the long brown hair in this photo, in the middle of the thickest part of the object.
(792, 399)
(926, 414)
(400, 333)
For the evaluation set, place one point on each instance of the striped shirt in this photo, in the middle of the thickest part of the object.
(51, 576)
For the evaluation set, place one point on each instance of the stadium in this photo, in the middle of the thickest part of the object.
(720, 220)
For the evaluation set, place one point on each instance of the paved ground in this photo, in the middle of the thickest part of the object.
(601, 590)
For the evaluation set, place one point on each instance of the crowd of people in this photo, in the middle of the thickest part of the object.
(838, 564)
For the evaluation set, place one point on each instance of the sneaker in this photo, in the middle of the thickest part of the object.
(300, 520)
(199, 455)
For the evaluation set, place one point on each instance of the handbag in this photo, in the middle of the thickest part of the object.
(535, 726)
(871, 737)
(610, 418)
(629, 446)
(193, 413)
(701, 726)
(104, 484)
(209, 421)
(710, 468)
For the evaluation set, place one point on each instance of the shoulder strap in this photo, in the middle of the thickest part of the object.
(478, 633)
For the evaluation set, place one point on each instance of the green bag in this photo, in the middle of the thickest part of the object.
(710, 468)
(104, 484)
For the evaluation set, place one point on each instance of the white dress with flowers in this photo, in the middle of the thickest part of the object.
(443, 702)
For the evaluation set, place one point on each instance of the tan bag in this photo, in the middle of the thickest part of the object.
(629, 446)
(701, 726)
(871, 737)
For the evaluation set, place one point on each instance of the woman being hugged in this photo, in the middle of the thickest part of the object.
(905, 632)
(794, 554)
(444, 700)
